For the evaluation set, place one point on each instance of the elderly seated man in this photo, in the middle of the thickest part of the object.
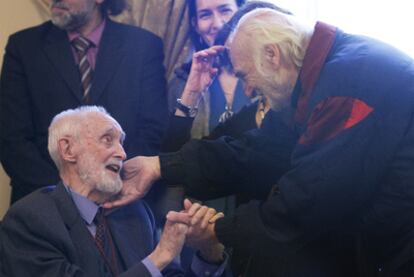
(62, 230)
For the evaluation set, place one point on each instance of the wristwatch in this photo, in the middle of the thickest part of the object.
(188, 111)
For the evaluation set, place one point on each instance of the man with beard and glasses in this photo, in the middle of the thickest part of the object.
(79, 57)
(62, 230)
(350, 101)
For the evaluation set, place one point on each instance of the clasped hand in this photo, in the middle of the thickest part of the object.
(193, 226)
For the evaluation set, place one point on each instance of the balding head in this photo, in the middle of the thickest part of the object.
(71, 123)
(261, 27)
(267, 50)
(86, 145)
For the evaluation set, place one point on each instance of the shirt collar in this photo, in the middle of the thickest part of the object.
(86, 207)
(95, 36)
(318, 49)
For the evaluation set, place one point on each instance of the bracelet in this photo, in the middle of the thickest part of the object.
(188, 111)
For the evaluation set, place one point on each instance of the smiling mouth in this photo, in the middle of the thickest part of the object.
(114, 168)
(213, 35)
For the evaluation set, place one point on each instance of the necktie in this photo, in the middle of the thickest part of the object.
(82, 45)
(100, 230)
(104, 242)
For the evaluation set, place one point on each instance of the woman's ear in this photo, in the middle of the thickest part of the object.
(66, 149)
(272, 55)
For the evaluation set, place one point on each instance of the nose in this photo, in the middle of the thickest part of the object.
(120, 152)
(218, 21)
(248, 90)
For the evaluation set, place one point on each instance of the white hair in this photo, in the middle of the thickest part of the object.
(69, 123)
(265, 27)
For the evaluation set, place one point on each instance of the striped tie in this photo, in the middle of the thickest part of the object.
(100, 230)
(104, 242)
(82, 45)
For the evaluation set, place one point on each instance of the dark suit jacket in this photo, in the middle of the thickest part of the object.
(44, 235)
(40, 79)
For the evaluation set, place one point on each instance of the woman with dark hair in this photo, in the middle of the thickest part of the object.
(198, 39)
(225, 94)
(216, 105)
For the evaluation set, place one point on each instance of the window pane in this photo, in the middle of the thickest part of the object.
(389, 21)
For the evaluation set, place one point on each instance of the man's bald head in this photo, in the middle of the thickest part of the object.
(267, 50)
(261, 27)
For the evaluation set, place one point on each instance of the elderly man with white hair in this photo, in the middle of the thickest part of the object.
(350, 100)
(64, 231)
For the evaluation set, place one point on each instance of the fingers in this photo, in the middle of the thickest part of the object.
(214, 50)
(125, 199)
(178, 217)
(193, 209)
(208, 55)
(202, 215)
(199, 215)
(206, 219)
(213, 72)
(215, 217)
(130, 168)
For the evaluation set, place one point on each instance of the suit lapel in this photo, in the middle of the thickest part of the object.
(57, 49)
(88, 256)
(131, 233)
(109, 57)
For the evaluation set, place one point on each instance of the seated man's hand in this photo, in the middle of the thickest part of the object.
(172, 239)
(138, 175)
(201, 234)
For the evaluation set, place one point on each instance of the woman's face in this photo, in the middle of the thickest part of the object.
(211, 15)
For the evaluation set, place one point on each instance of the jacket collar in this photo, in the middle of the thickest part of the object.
(313, 62)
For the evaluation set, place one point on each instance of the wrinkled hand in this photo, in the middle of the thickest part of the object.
(201, 233)
(138, 175)
(201, 75)
(172, 239)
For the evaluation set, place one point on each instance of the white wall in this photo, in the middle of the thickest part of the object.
(14, 15)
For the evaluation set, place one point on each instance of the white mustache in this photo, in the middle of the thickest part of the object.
(117, 163)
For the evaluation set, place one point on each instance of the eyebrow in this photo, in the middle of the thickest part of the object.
(223, 6)
(219, 7)
(112, 131)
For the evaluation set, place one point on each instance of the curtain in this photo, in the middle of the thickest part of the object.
(165, 18)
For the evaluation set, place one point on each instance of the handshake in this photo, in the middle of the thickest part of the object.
(194, 226)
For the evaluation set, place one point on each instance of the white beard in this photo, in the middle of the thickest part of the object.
(278, 93)
(98, 177)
